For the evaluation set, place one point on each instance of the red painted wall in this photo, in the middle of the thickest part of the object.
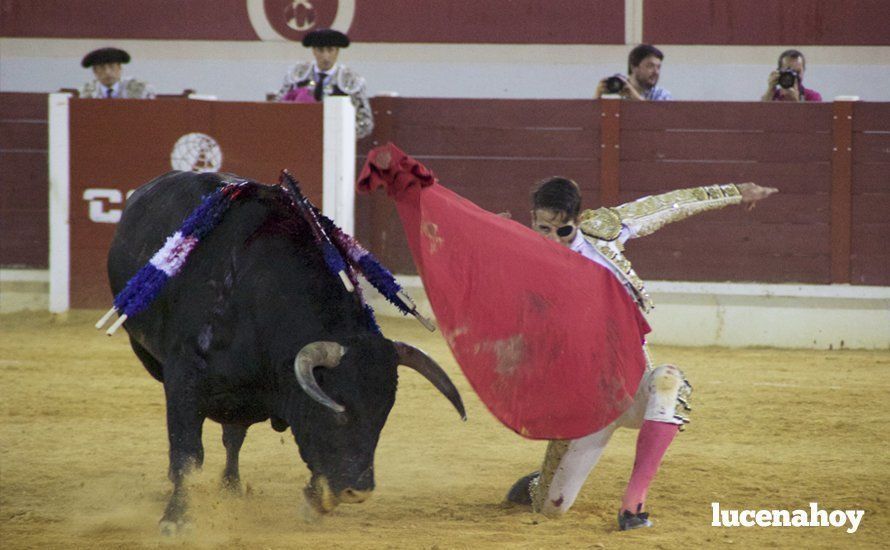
(767, 22)
(455, 21)
(492, 151)
(667, 146)
(754, 22)
(870, 251)
(491, 21)
(121, 144)
(489, 151)
(24, 190)
(131, 19)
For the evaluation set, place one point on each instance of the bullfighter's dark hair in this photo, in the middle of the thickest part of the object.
(558, 194)
(641, 52)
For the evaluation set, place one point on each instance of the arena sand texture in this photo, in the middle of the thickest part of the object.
(84, 457)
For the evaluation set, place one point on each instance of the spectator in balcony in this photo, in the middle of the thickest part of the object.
(786, 82)
(641, 82)
(309, 81)
(108, 84)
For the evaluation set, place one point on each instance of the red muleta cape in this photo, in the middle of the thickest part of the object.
(550, 341)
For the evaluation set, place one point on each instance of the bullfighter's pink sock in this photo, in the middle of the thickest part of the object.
(652, 443)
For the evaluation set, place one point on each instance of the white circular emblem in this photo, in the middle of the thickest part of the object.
(296, 17)
(300, 15)
(196, 152)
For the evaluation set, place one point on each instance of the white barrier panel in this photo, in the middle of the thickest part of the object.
(338, 176)
(746, 315)
(784, 316)
(59, 221)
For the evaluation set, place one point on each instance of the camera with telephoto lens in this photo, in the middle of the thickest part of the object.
(614, 84)
(787, 78)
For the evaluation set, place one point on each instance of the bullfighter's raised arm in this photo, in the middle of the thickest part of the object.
(649, 214)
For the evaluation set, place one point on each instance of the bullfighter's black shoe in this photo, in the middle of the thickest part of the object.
(520, 492)
(628, 521)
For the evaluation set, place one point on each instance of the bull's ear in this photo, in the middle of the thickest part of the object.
(318, 354)
(416, 359)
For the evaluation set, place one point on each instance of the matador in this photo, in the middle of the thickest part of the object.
(661, 403)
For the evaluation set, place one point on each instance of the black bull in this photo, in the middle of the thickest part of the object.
(254, 310)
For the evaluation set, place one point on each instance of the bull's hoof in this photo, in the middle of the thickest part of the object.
(318, 495)
(175, 520)
(352, 496)
(170, 528)
(231, 486)
(310, 513)
(520, 492)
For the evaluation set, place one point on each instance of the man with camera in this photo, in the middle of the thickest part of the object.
(643, 70)
(786, 82)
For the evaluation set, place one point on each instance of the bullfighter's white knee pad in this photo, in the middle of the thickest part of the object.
(669, 392)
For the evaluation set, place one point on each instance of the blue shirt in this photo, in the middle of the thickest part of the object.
(657, 94)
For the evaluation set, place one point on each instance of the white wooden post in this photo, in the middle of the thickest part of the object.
(59, 204)
(338, 173)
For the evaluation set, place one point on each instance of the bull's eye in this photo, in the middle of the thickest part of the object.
(341, 418)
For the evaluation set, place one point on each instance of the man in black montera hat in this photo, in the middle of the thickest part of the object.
(310, 81)
(108, 84)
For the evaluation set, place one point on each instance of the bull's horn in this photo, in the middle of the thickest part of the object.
(416, 359)
(318, 354)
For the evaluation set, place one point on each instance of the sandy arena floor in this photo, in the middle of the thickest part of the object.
(84, 457)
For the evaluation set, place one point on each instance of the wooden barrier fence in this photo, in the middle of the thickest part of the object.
(831, 161)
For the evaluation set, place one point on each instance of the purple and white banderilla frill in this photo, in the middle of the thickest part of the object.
(358, 258)
(343, 256)
(167, 262)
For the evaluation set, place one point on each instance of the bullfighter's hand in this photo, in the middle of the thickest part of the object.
(751, 193)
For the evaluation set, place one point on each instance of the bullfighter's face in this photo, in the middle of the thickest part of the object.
(325, 57)
(555, 225)
(107, 73)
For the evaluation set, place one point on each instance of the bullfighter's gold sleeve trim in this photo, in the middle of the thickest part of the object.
(649, 214)
(601, 227)
(613, 255)
(603, 223)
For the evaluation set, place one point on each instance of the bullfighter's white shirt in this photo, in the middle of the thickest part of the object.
(582, 246)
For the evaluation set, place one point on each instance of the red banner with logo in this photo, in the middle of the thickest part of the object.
(117, 145)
